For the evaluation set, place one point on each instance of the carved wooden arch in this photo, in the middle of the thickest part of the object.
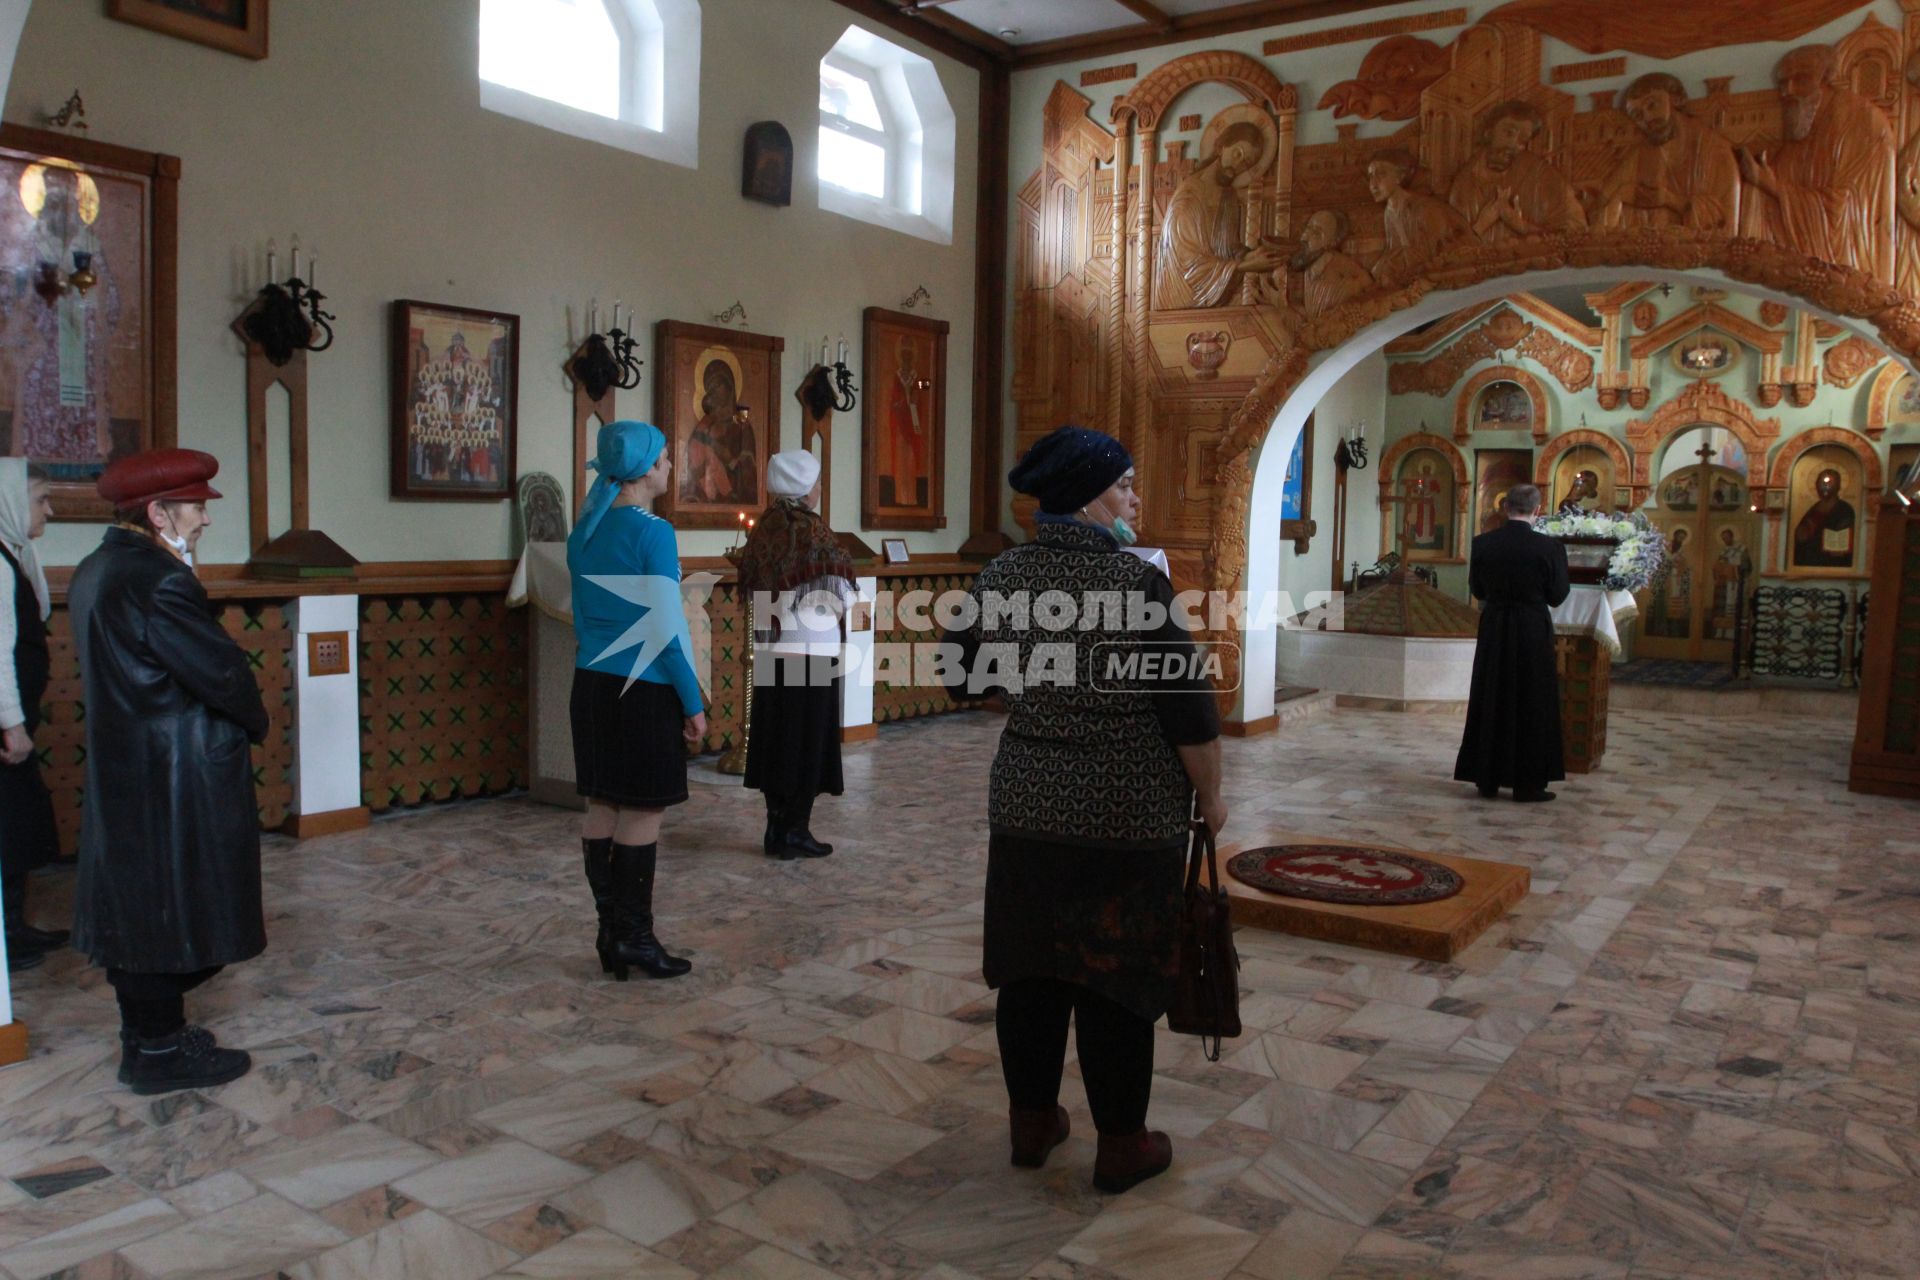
(1157, 90)
(1853, 441)
(1543, 461)
(1880, 395)
(1827, 286)
(1702, 404)
(1390, 460)
(1463, 404)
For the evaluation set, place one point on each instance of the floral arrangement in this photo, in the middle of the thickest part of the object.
(1640, 552)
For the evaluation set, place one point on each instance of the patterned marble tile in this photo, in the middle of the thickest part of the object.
(1691, 1052)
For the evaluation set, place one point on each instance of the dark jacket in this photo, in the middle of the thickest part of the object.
(1094, 761)
(28, 836)
(1512, 737)
(170, 835)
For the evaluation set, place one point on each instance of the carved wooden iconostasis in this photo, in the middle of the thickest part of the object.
(1184, 256)
(1777, 396)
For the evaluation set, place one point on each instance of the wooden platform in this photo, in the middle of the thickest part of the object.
(1430, 931)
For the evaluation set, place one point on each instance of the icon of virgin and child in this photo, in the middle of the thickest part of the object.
(722, 463)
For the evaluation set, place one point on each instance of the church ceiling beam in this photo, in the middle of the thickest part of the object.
(1151, 14)
(940, 32)
(1182, 27)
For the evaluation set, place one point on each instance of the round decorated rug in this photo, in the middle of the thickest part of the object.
(1345, 873)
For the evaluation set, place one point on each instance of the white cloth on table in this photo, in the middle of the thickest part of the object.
(542, 579)
(1595, 611)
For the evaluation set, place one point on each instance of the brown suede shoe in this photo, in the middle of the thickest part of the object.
(1036, 1134)
(1127, 1162)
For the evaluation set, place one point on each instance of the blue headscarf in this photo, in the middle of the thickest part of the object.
(626, 450)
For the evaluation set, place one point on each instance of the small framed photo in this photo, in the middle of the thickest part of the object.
(895, 550)
(456, 397)
(235, 26)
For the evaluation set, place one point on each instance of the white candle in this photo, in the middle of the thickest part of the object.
(823, 348)
(313, 269)
(593, 318)
(843, 351)
(273, 260)
(296, 257)
(616, 313)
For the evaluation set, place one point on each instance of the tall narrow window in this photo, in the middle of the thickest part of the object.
(622, 72)
(886, 137)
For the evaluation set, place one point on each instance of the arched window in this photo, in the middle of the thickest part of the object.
(622, 72)
(886, 137)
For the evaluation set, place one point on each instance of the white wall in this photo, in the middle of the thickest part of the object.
(1359, 396)
(363, 132)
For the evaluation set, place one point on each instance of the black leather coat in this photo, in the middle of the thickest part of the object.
(170, 835)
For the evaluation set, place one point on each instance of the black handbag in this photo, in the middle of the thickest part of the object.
(1206, 991)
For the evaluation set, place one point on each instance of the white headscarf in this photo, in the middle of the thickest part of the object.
(16, 520)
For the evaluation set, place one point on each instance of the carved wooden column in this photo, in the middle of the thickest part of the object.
(1124, 245)
(1886, 743)
(585, 409)
(1133, 431)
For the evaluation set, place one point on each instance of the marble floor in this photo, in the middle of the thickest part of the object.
(1693, 1052)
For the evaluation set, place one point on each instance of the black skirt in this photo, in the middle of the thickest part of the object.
(1101, 918)
(793, 743)
(628, 748)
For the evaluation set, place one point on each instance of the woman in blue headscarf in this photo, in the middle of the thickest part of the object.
(637, 705)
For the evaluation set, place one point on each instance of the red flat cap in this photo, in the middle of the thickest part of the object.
(173, 475)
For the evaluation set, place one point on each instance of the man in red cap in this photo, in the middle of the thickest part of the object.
(169, 885)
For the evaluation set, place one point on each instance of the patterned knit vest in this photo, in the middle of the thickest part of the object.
(1084, 763)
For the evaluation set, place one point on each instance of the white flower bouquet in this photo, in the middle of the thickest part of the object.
(1620, 553)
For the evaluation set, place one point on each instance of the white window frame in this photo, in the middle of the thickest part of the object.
(918, 139)
(659, 86)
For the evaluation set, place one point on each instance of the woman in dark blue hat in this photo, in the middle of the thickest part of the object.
(637, 705)
(1091, 794)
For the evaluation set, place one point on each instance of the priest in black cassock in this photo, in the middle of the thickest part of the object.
(1513, 714)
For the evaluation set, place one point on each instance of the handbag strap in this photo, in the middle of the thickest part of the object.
(1202, 852)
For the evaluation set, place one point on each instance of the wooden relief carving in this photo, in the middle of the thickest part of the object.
(1392, 77)
(1645, 316)
(1790, 187)
(1827, 188)
(1847, 362)
(1571, 367)
(1773, 314)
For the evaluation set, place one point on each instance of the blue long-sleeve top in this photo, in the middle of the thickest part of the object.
(637, 551)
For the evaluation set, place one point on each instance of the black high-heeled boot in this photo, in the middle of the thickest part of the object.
(598, 855)
(774, 841)
(633, 940)
(801, 839)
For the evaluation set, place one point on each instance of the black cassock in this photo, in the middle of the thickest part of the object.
(1513, 715)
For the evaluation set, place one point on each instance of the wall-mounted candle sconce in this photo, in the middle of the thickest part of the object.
(289, 317)
(606, 360)
(843, 388)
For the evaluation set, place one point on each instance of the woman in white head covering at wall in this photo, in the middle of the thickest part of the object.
(801, 581)
(27, 835)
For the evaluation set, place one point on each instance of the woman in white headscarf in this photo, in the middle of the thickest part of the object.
(27, 835)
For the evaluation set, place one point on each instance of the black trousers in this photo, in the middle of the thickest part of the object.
(1116, 1051)
(154, 1004)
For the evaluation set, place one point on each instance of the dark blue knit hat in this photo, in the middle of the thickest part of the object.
(1070, 467)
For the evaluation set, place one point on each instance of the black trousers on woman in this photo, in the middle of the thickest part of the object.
(1116, 1051)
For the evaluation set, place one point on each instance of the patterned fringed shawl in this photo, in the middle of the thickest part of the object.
(792, 549)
